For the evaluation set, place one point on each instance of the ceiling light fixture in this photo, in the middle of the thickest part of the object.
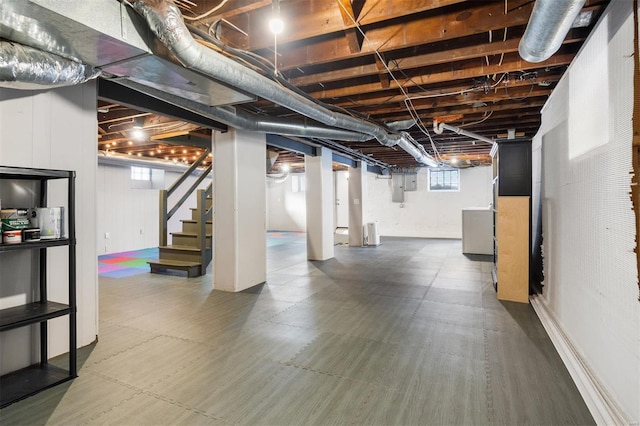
(138, 134)
(285, 167)
(276, 25)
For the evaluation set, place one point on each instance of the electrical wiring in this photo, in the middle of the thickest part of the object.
(504, 38)
(207, 13)
(408, 104)
(482, 120)
(506, 89)
(458, 92)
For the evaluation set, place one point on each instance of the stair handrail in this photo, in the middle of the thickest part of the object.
(188, 172)
(191, 189)
(166, 214)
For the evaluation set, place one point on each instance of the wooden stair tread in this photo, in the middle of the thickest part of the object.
(188, 234)
(193, 221)
(167, 262)
(183, 248)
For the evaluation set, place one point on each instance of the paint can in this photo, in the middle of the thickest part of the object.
(12, 237)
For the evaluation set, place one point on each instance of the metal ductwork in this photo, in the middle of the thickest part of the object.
(240, 119)
(26, 68)
(69, 41)
(440, 127)
(549, 24)
(402, 124)
(165, 20)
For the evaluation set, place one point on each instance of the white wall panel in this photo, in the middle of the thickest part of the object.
(54, 129)
(428, 214)
(588, 221)
(286, 210)
(130, 216)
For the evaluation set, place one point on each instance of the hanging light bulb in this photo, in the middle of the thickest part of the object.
(276, 25)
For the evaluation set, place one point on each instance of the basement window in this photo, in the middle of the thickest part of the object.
(444, 180)
(146, 178)
(140, 173)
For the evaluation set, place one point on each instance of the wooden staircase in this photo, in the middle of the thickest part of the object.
(191, 249)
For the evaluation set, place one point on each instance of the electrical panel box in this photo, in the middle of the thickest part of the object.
(410, 181)
(397, 188)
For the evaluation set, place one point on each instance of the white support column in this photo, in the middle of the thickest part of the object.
(358, 197)
(319, 176)
(240, 234)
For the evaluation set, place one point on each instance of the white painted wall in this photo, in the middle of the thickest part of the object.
(53, 129)
(584, 167)
(428, 214)
(130, 216)
(286, 210)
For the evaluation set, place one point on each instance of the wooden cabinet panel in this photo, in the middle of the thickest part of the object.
(512, 234)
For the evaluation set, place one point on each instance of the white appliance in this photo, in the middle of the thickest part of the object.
(371, 235)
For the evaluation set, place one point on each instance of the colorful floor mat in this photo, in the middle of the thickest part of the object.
(125, 264)
(276, 238)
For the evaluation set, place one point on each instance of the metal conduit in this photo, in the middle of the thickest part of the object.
(440, 127)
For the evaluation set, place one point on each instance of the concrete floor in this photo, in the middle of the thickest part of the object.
(407, 333)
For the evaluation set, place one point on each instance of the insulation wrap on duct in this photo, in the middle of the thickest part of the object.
(165, 20)
(550, 22)
(26, 68)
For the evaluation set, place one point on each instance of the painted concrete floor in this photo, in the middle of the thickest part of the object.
(407, 333)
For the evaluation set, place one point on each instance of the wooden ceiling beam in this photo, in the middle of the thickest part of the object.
(383, 75)
(352, 34)
(308, 19)
(498, 95)
(427, 115)
(446, 56)
(475, 69)
(425, 30)
(229, 10)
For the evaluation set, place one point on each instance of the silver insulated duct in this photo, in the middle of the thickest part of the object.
(26, 68)
(165, 20)
(549, 24)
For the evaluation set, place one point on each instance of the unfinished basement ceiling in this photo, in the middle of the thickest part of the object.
(453, 61)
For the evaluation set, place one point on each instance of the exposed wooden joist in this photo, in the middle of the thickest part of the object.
(382, 72)
(312, 18)
(421, 31)
(349, 17)
(468, 70)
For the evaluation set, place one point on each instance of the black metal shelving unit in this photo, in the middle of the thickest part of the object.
(28, 381)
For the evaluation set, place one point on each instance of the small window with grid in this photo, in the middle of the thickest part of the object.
(444, 180)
